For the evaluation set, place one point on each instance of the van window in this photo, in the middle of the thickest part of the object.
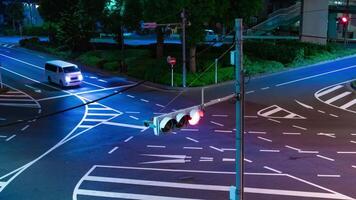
(60, 70)
(71, 69)
(51, 68)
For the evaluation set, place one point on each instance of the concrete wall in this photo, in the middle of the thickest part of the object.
(315, 14)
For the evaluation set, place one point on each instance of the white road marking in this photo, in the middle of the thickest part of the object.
(85, 126)
(254, 117)
(293, 148)
(273, 170)
(128, 139)
(125, 125)
(265, 88)
(222, 131)
(159, 105)
(191, 139)
(287, 133)
(228, 159)
(13, 95)
(250, 92)
(273, 120)
(276, 112)
(132, 112)
(299, 127)
(228, 149)
(220, 115)
(332, 115)
(328, 176)
(270, 150)
(10, 138)
(216, 123)
(332, 89)
(24, 128)
(217, 149)
(91, 108)
(206, 159)
(133, 117)
(257, 132)
(17, 100)
(156, 146)
(189, 130)
(113, 150)
(353, 166)
(304, 105)
(326, 158)
(265, 139)
(93, 77)
(3, 136)
(332, 135)
(193, 148)
(247, 160)
(317, 75)
(171, 159)
(340, 96)
(94, 120)
(346, 152)
(348, 105)
(144, 100)
(353, 141)
(323, 112)
(103, 81)
(102, 114)
(130, 96)
(311, 152)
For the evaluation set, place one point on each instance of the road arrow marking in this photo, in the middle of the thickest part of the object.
(34, 89)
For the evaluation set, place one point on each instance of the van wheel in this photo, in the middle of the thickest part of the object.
(61, 84)
(49, 80)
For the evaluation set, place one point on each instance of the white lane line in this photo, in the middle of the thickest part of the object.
(354, 142)
(273, 120)
(143, 128)
(317, 75)
(332, 135)
(299, 127)
(102, 114)
(91, 108)
(93, 77)
(328, 176)
(293, 148)
(94, 120)
(3, 136)
(144, 100)
(156, 146)
(222, 131)
(189, 130)
(348, 105)
(217, 149)
(113, 150)
(220, 115)
(13, 92)
(193, 148)
(325, 158)
(24, 128)
(128, 139)
(346, 152)
(265, 139)
(270, 150)
(332, 115)
(329, 90)
(265, 88)
(247, 160)
(103, 81)
(228, 149)
(159, 105)
(132, 112)
(85, 126)
(323, 112)
(340, 96)
(287, 133)
(130, 96)
(273, 170)
(252, 116)
(250, 92)
(17, 100)
(10, 138)
(228, 159)
(13, 95)
(353, 166)
(311, 152)
(191, 139)
(133, 117)
(304, 105)
(257, 132)
(39, 111)
(216, 123)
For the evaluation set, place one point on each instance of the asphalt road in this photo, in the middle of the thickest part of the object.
(299, 140)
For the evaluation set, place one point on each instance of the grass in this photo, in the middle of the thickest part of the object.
(353, 84)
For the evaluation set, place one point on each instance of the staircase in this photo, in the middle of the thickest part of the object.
(281, 17)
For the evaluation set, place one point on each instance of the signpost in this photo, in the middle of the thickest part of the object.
(172, 61)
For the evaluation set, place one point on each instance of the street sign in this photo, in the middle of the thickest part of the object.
(149, 25)
(171, 60)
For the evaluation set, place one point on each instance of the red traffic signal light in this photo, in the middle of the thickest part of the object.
(344, 20)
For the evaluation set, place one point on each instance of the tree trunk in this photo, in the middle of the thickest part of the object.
(160, 43)
(193, 60)
(13, 25)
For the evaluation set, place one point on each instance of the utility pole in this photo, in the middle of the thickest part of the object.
(348, 21)
(184, 24)
(1, 85)
(236, 193)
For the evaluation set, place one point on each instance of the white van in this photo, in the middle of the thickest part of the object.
(63, 73)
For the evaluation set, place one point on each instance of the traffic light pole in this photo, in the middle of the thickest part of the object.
(184, 25)
(236, 193)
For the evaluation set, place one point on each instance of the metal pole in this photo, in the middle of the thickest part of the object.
(1, 85)
(184, 23)
(172, 75)
(346, 24)
(236, 193)
(216, 70)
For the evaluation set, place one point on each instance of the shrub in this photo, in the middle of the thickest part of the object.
(112, 66)
(35, 30)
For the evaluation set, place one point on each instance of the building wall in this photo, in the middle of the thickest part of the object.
(315, 15)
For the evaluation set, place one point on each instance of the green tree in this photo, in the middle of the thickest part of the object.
(14, 12)
(133, 14)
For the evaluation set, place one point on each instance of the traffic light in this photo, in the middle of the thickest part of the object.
(344, 20)
(166, 123)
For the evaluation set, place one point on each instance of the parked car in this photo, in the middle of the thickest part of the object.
(63, 73)
(211, 36)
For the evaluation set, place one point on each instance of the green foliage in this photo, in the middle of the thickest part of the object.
(35, 30)
(14, 11)
(133, 14)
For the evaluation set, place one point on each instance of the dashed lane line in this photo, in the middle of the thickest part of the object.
(156, 146)
(273, 170)
(257, 132)
(24, 128)
(251, 116)
(130, 96)
(354, 142)
(328, 176)
(189, 130)
(222, 131)
(144, 100)
(265, 88)
(304, 105)
(321, 111)
(133, 117)
(288, 133)
(193, 148)
(346, 152)
(159, 105)
(10, 138)
(128, 139)
(247, 160)
(270, 151)
(216, 123)
(299, 127)
(132, 112)
(264, 139)
(220, 115)
(228, 159)
(191, 139)
(250, 92)
(325, 158)
(217, 149)
(273, 120)
(3, 136)
(332, 115)
(113, 150)
(293, 148)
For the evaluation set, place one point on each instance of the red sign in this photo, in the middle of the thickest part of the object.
(171, 60)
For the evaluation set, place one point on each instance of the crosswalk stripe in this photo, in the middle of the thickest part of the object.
(102, 114)
(349, 104)
(340, 96)
(120, 195)
(329, 91)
